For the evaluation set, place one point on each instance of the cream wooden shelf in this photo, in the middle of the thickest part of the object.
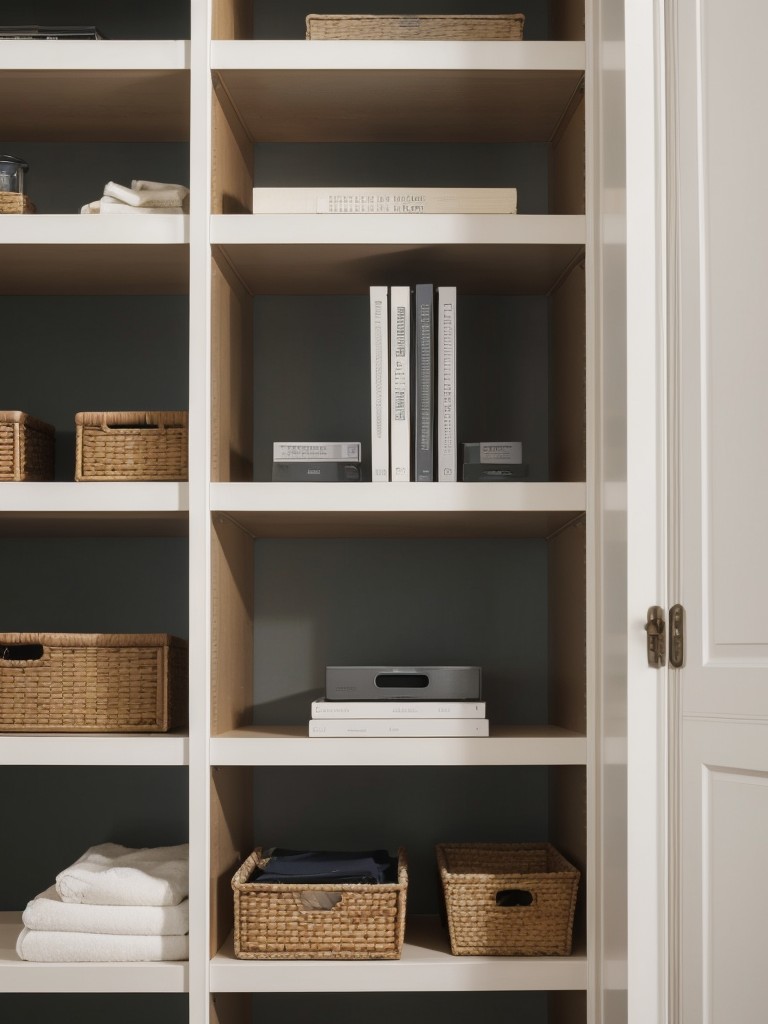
(25, 976)
(95, 90)
(290, 745)
(374, 90)
(332, 254)
(86, 749)
(426, 966)
(399, 510)
(64, 508)
(72, 254)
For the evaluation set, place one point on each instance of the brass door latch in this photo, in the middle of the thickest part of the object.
(656, 636)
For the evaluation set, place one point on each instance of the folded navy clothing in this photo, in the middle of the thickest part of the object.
(371, 867)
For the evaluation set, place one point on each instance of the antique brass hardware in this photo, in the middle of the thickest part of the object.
(656, 637)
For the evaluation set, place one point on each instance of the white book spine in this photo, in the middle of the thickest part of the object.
(447, 469)
(400, 382)
(379, 300)
(351, 709)
(395, 727)
(310, 451)
(384, 200)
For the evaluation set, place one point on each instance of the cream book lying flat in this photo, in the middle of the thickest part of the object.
(335, 728)
(384, 200)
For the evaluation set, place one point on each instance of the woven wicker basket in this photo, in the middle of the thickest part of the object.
(508, 899)
(92, 682)
(131, 446)
(16, 202)
(279, 922)
(26, 447)
(423, 26)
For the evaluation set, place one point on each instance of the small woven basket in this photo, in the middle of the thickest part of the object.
(16, 202)
(508, 899)
(282, 921)
(26, 447)
(131, 446)
(422, 26)
(92, 682)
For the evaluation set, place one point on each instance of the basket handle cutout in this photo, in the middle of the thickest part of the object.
(22, 652)
(313, 900)
(107, 427)
(514, 898)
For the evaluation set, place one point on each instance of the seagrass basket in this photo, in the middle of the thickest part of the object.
(92, 682)
(26, 447)
(508, 899)
(282, 921)
(131, 446)
(421, 26)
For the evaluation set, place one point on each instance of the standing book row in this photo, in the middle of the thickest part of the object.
(413, 383)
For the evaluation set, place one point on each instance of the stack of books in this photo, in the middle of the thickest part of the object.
(384, 200)
(492, 461)
(313, 461)
(396, 701)
(413, 383)
(336, 719)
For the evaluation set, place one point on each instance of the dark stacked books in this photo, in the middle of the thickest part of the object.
(492, 461)
(316, 461)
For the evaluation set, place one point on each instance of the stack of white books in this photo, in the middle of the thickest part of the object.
(413, 718)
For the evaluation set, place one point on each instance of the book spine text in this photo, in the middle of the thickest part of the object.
(400, 380)
(379, 384)
(446, 385)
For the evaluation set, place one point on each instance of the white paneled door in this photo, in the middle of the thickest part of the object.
(718, 433)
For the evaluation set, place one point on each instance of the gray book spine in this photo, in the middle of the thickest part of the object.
(447, 453)
(483, 472)
(424, 382)
(490, 452)
(309, 472)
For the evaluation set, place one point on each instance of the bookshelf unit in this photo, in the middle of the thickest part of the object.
(248, 321)
(276, 281)
(95, 316)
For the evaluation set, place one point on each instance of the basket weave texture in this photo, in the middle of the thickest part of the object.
(131, 446)
(278, 921)
(422, 26)
(475, 875)
(16, 202)
(26, 447)
(92, 682)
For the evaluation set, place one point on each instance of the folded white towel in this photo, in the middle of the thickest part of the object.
(121, 876)
(49, 913)
(171, 196)
(158, 186)
(83, 947)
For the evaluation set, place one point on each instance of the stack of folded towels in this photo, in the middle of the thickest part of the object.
(141, 197)
(113, 904)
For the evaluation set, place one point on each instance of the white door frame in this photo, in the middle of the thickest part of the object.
(647, 528)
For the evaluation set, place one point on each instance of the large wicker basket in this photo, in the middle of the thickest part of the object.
(508, 899)
(92, 682)
(422, 26)
(26, 447)
(280, 921)
(131, 446)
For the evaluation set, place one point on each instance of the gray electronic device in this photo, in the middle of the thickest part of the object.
(398, 682)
